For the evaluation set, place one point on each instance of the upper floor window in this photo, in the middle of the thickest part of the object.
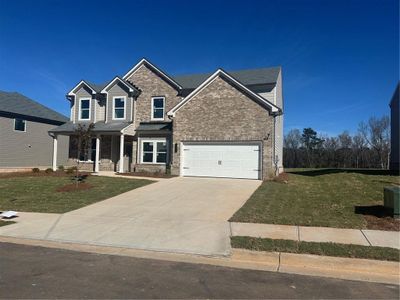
(157, 108)
(19, 125)
(84, 109)
(119, 108)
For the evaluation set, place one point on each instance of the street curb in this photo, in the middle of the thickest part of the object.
(303, 264)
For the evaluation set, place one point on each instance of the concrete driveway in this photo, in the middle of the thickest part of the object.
(187, 215)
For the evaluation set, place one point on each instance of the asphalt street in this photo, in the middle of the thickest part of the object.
(37, 272)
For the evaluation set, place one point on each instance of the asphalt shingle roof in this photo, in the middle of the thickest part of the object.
(70, 127)
(16, 103)
(154, 126)
(246, 77)
(258, 80)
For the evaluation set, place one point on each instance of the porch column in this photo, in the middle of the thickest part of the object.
(121, 154)
(55, 153)
(97, 159)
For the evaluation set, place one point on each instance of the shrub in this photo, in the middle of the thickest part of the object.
(35, 170)
(48, 170)
(71, 170)
(61, 168)
(168, 170)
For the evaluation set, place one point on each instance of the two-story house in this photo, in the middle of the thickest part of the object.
(222, 124)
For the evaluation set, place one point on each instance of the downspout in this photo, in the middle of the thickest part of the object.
(274, 147)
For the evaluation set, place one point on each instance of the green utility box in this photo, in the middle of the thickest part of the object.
(392, 199)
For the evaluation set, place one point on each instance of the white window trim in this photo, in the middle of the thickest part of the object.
(152, 108)
(90, 108)
(154, 141)
(113, 107)
(19, 130)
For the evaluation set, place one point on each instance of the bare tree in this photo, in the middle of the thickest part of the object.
(358, 146)
(84, 134)
(292, 142)
(345, 154)
(377, 134)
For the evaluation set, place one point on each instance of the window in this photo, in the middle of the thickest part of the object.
(88, 151)
(19, 125)
(157, 108)
(84, 109)
(154, 151)
(119, 108)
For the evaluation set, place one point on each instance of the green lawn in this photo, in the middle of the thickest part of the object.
(4, 223)
(326, 249)
(327, 197)
(39, 194)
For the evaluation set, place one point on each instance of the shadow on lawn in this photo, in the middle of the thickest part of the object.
(378, 211)
(319, 172)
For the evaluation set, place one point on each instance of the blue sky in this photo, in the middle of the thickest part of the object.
(339, 58)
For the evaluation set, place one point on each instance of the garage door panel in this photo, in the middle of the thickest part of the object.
(221, 160)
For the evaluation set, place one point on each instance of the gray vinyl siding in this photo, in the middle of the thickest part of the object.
(116, 91)
(33, 148)
(270, 96)
(279, 120)
(84, 92)
(100, 110)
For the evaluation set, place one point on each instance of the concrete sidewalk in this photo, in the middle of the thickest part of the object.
(363, 237)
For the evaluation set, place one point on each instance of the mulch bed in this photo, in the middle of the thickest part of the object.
(383, 223)
(282, 178)
(378, 217)
(39, 174)
(73, 187)
(144, 174)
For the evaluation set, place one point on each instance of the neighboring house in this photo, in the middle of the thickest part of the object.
(24, 138)
(222, 124)
(394, 129)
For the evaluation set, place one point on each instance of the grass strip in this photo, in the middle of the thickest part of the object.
(326, 249)
(4, 223)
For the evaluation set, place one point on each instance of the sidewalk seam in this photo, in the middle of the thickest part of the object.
(279, 262)
(52, 226)
(298, 233)
(362, 232)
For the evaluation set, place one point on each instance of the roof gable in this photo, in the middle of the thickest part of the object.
(130, 87)
(82, 82)
(234, 82)
(145, 62)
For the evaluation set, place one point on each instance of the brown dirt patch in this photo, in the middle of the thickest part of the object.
(144, 174)
(378, 217)
(383, 223)
(40, 174)
(74, 187)
(282, 178)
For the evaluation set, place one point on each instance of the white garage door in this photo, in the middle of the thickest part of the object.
(222, 160)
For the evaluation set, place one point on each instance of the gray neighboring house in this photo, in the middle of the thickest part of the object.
(221, 124)
(394, 129)
(24, 138)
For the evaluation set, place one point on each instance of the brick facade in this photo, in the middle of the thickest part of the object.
(220, 112)
(151, 85)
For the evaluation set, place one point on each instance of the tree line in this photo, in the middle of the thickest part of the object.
(368, 148)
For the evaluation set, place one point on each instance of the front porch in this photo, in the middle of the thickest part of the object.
(106, 152)
(108, 149)
(146, 149)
